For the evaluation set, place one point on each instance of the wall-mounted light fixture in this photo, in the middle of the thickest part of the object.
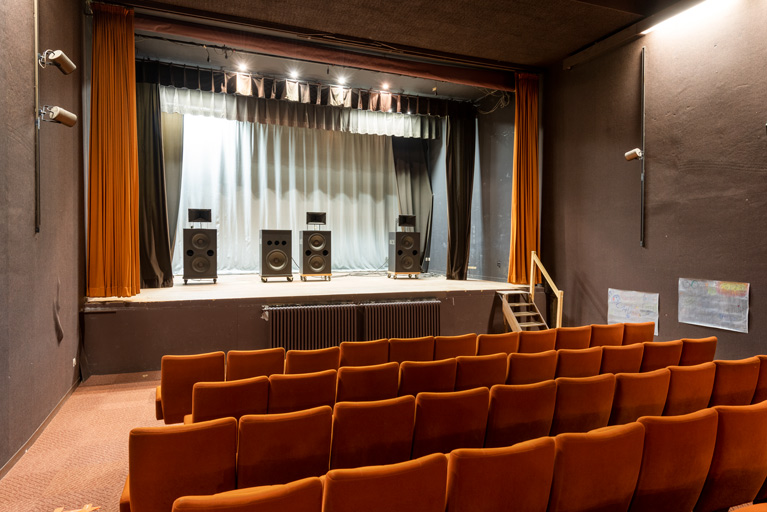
(639, 153)
(58, 115)
(56, 58)
(634, 154)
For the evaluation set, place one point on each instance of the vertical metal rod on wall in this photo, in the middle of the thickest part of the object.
(641, 198)
(37, 119)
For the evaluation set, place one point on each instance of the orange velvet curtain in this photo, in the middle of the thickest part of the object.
(113, 246)
(524, 191)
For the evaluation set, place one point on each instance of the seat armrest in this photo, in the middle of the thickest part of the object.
(158, 403)
(125, 497)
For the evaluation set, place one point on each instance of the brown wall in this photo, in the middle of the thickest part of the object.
(706, 203)
(39, 273)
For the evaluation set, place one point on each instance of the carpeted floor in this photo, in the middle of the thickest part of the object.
(82, 455)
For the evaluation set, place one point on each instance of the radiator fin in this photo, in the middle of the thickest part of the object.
(406, 319)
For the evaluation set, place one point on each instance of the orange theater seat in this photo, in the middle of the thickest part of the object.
(638, 332)
(454, 346)
(532, 342)
(418, 376)
(301, 496)
(660, 354)
(243, 364)
(411, 349)
(623, 359)
(735, 382)
(364, 353)
(520, 412)
(480, 371)
(697, 351)
(531, 368)
(573, 337)
(583, 362)
(606, 335)
(211, 400)
(760, 394)
(689, 388)
(639, 394)
(583, 404)
(178, 375)
(310, 361)
(361, 383)
(301, 391)
(506, 343)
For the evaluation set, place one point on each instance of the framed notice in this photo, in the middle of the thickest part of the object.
(627, 306)
(719, 304)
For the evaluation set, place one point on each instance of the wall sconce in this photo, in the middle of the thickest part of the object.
(58, 115)
(58, 59)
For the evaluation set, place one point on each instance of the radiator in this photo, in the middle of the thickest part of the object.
(405, 319)
(311, 327)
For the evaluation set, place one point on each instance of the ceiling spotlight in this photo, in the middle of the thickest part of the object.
(385, 86)
(242, 67)
(294, 74)
(634, 154)
(342, 80)
(58, 115)
(58, 59)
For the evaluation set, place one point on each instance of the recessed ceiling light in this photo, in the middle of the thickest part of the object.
(385, 86)
(293, 74)
(342, 80)
(242, 66)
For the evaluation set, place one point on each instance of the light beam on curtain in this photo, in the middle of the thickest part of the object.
(255, 176)
(113, 246)
(524, 191)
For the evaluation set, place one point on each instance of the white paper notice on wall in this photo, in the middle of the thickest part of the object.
(628, 306)
(719, 304)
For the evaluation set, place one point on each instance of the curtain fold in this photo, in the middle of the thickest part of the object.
(173, 152)
(113, 246)
(154, 242)
(524, 192)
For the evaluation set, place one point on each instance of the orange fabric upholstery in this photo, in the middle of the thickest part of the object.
(689, 388)
(510, 478)
(660, 354)
(480, 371)
(623, 359)
(165, 463)
(372, 433)
(418, 376)
(361, 383)
(243, 364)
(677, 454)
(178, 374)
(211, 400)
(606, 335)
(696, 351)
(639, 394)
(507, 343)
(739, 465)
(412, 486)
(445, 421)
(760, 394)
(310, 361)
(411, 349)
(520, 412)
(754, 508)
(454, 346)
(583, 404)
(281, 448)
(735, 382)
(596, 471)
(364, 353)
(573, 337)
(289, 393)
(531, 368)
(301, 496)
(583, 362)
(638, 332)
(532, 342)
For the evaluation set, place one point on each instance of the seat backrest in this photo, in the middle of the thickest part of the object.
(302, 496)
(638, 332)
(531, 368)
(413, 486)
(623, 359)
(532, 342)
(361, 383)
(280, 448)
(411, 349)
(454, 346)
(760, 394)
(418, 376)
(289, 393)
(445, 421)
(509, 478)
(596, 470)
(583, 404)
(372, 433)
(639, 394)
(211, 400)
(675, 461)
(243, 364)
(735, 381)
(582, 362)
(739, 464)
(697, 350)
(689, 388)
(573, 337)
(520, 412)
(660, 354)
(480, 371)
(606, 335)
(310, 361)
(506, 343)
(201, 459)
(178, 374)
(364, 353)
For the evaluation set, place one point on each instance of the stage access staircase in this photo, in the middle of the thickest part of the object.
(520, 312)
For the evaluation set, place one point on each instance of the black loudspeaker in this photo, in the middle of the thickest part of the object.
(404, 252)
(315, 254)
(200, 254)
(276, 253)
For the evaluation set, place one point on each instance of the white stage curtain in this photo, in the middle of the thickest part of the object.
(264, 176)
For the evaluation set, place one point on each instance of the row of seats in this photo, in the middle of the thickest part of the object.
(704, 461)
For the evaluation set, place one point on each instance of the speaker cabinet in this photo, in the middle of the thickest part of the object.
(276, 253)
(404, 253)
(315, 254)
(200, 254)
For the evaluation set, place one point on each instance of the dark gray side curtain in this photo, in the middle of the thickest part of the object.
(411, 164)
(461, 129)
(154, 242)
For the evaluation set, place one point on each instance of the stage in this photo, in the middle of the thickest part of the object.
(131, 334)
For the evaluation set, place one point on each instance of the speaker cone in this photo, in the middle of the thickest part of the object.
(407, 242)
(200, 264)
(200, 241)
(317, 263)
(277, 260)
(317, 242)
(407, 262)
